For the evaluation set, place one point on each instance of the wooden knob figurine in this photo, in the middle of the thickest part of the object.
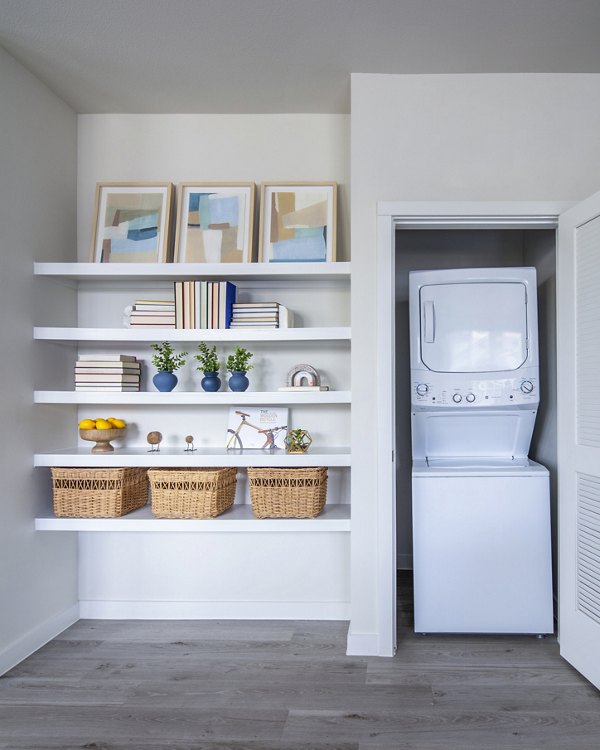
(154, 439)
(189, 439)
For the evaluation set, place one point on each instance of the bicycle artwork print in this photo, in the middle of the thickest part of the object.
(257, 428)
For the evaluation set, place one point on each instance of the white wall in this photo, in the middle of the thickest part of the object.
(241, 148)
(38, 572)
(447, 137)
(219, 148)
(254, 148)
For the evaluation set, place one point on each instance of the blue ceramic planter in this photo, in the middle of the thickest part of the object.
(211, 381)
(238, 381)
(165, 381)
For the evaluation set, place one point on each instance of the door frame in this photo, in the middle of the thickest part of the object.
(392, 215)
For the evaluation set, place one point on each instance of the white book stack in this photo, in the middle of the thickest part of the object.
(151, 313)
(107, 372)
(260, 315)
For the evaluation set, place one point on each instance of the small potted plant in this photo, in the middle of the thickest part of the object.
(298, 441)
(238, 365)
(210, 365)
(166, 362)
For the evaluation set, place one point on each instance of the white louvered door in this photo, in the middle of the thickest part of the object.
(578, 287)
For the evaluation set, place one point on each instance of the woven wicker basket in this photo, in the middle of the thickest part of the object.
(288, 493)
(98, 493)
(192, 493)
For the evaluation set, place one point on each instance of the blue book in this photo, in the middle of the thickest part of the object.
(226, 299)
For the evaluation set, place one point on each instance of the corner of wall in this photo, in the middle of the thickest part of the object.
(38, 140)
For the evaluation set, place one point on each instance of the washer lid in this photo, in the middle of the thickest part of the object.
(488, 433)
(477, 466)
(478, 462)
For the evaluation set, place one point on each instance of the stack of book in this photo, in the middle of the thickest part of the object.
(107, 372)
(203, 304)
(260, 315)
(151, 313)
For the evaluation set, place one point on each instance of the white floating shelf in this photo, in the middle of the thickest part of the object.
(238, 519)
(177, 457)
(194, 334)
(172, 271)
(192, 398)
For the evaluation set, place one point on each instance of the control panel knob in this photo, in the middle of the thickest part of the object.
(527, 386)
(422, 389)
(470, 397)
(457, 398)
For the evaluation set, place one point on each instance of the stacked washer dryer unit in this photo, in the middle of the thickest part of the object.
(481, 510)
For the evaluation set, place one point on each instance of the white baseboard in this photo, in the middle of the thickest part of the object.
(36, 638)
(404, 561)
(362, 644)
(150, 610)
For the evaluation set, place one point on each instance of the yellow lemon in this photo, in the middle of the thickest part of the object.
(102, 424)
(119, 423)
(87, 424)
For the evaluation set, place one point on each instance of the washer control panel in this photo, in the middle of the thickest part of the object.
(431, 389)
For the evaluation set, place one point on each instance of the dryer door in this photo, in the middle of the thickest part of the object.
(473, 327)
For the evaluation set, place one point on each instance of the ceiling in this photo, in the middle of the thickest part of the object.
(263, 56)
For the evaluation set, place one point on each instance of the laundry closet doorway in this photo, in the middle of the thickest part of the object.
(423, 236)
(427, 249)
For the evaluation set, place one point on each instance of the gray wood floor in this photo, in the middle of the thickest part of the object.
(107, 685)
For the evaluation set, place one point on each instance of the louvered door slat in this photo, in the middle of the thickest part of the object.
(588, 545)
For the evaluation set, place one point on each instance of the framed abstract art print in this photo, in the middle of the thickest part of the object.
(132, 222)
(215, 222)
(297, 222)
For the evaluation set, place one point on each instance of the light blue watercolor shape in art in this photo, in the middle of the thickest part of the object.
(302, 249)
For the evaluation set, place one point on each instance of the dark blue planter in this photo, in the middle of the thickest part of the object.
(165, 381)
(211, 381)
(238, 381)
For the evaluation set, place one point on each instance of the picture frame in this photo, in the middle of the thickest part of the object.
(132, 222)
(215, 222)
(257, 428)
(297, 222)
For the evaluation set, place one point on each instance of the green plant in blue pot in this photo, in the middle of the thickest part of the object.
(210, 365)
(166, 362)
(238, 365)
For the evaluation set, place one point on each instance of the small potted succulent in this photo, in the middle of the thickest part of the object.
(210, 365)
(166, 362)
(238, 365)
(298, 441)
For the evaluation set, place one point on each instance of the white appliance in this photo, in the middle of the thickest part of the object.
(481, 508)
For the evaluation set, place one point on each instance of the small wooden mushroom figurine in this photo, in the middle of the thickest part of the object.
(189, 439)
(154, 439)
